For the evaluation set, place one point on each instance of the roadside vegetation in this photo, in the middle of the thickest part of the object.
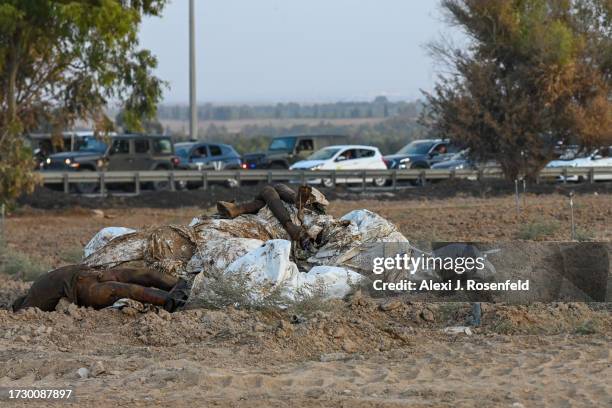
(537, 231)
(20, 265)
(534, 72)
(53, 75)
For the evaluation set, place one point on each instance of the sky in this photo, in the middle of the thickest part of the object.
(268, 51)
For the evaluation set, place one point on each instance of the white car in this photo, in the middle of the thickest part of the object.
(344, 157)
(595, 159)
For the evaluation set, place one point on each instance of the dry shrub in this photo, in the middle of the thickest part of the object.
(536, 231)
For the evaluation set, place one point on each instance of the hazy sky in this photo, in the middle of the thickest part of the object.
(297, 50)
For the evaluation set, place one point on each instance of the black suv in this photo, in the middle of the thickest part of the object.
(422, 154)
(116, 153)
(285, 150)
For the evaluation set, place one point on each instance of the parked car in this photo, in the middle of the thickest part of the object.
(601, 157)
(206, 156)
(344, 157)
(285, 150)
(45, 144)
(203, 155)
(463, 161)
(124, 152)
(422, 154)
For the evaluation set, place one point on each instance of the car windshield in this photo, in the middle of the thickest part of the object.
(323, 154)
(282, 144)
(90, 144)
(182, 150)
(418, 147)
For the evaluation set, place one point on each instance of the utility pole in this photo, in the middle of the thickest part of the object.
(193, 105)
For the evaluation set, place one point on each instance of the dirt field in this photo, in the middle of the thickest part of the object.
(354, 353)
(53, 236)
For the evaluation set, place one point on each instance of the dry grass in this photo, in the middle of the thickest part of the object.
(537, 231)
(20, 265)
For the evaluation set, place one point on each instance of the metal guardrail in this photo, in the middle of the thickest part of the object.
(362, 177)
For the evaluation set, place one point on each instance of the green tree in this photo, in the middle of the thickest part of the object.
(150, 126)
(65, 60)
(534, 72)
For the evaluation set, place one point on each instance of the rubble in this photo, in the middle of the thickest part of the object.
(390, 305)
(427, 315)
(97, 368)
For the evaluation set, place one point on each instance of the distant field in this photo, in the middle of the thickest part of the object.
(235, 126)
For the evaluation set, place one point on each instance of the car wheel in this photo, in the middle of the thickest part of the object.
(161, 185)
(277, 166)
(380, 181)
(327, 182)
(86, 188)
(418, 182)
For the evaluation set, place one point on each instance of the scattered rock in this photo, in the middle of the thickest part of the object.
(129, 311)
(63, 305)
(284, 329)
(40, 330)
(349, 346)
(259, 327)
(359, 300)
(400, 333)
(391, 305)
(427, 315)
(83, 373)
(97, 213)
(164, 314)
(325, 358)
(23, 339)
(97, 368)
(284, 325)
(339, 332)
(319, 314)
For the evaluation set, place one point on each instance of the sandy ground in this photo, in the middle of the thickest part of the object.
(354, 353)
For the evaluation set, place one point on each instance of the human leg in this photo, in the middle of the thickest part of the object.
(102, 294)
(142, 277)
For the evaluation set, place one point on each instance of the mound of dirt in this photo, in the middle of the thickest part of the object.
(358, 352)
(11, 289)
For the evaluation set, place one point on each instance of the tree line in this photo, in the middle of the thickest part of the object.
(388, 135)
(380, 107)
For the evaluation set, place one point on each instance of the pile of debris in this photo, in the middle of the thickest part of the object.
(253, 251)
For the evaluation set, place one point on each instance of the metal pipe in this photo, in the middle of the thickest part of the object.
(193, 120)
